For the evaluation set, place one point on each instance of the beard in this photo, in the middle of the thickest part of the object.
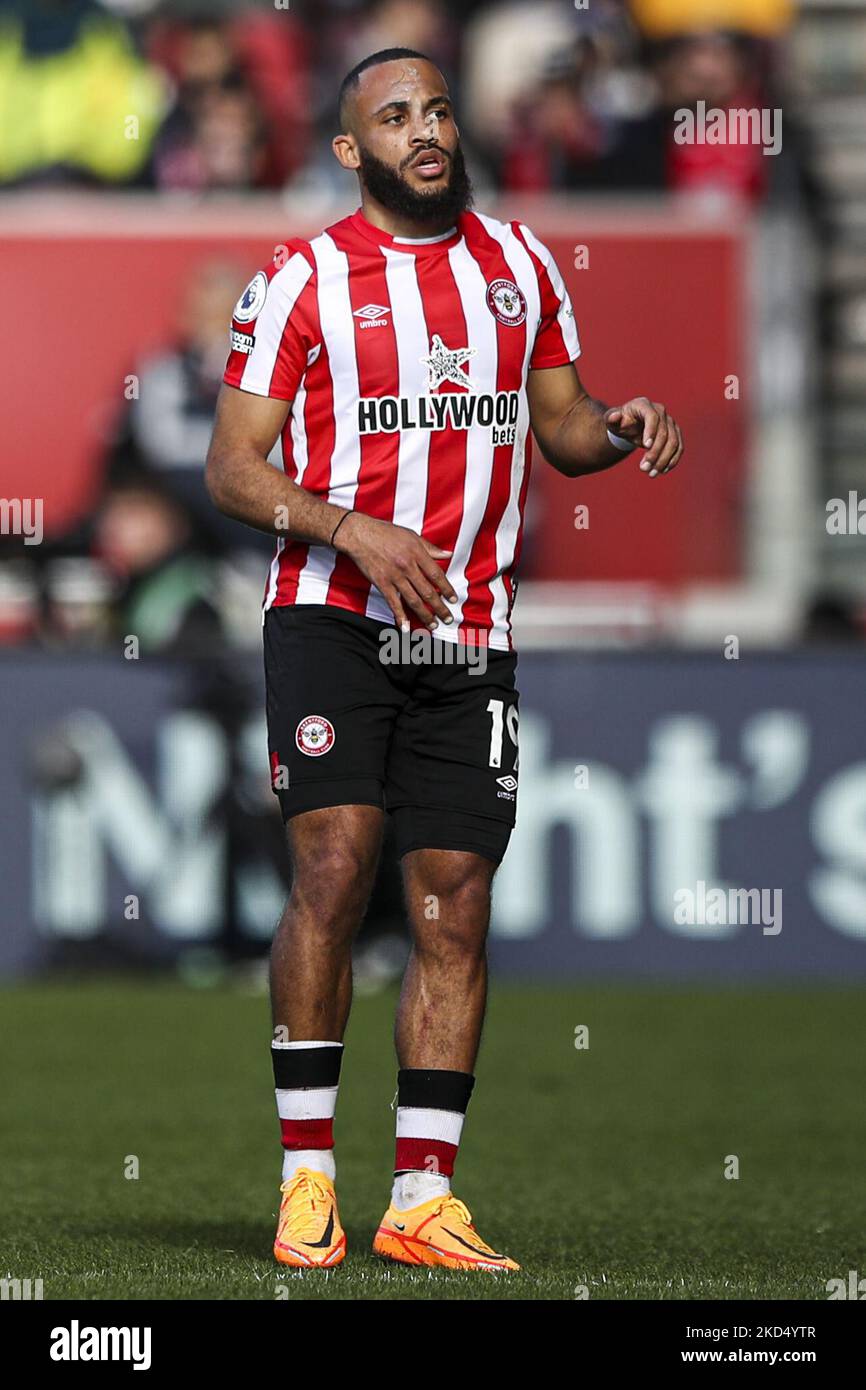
(388, 186)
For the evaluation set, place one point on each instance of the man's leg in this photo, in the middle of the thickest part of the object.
(444, 991)
(334, 854)
(451, 786)
(439, 1016)
(438, 1030)
(331, 709)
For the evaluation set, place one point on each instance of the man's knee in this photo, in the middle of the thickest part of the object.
(450, 894)
(334, 861)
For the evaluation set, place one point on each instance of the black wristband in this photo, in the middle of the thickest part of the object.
(338, 525)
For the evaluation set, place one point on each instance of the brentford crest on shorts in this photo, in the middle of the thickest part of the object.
(315, 735)
(406, 364)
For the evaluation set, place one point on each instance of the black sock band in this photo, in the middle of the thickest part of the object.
(298, 1068)
(434, 1090)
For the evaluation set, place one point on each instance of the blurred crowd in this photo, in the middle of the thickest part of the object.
(197, 95)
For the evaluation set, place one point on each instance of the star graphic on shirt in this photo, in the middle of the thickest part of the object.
(444, 365)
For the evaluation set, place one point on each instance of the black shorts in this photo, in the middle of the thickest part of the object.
(433, 742)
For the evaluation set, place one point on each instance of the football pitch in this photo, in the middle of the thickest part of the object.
(601, 1168)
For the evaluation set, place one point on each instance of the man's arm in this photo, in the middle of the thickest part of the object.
(572, 428)
(243, 485)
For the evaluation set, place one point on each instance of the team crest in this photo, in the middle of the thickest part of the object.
(506, 302)
(251, 302)
(315, 735)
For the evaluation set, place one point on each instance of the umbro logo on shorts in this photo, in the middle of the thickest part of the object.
(315, 735)
(509, 785)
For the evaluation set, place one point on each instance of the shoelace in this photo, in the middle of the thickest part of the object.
(462, 1212)
(302, 1219)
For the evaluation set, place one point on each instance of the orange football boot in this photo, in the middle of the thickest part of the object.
(309, 1234)
(438, 1232)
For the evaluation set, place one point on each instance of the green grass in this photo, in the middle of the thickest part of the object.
(601, 1168)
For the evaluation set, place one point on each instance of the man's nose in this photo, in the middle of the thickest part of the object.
(424, 131)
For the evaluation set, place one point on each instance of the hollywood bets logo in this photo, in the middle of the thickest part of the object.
(452, 410)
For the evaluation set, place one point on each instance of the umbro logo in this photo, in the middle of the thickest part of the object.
(372, 315)
(509, 787)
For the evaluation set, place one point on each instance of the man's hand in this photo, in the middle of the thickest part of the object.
(646, 423)
(244, 485)
(571, 426)
(401, 564)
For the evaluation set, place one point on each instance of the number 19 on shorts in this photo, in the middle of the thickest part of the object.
(500, 721)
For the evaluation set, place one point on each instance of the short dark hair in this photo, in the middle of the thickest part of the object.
(385, 55)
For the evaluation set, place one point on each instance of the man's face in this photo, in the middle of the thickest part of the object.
(407, 141)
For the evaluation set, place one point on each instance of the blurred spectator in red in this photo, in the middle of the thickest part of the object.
(209, 54)
(77, 103)
(723, 71)
(557, 136)
(568, 135)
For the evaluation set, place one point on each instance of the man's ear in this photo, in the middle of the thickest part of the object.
(346, 150)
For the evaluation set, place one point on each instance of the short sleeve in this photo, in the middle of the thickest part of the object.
(556, 341)
(272, 331)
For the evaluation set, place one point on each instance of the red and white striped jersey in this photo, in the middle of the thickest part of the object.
(407, 363)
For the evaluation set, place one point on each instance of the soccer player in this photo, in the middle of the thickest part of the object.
(401, 358)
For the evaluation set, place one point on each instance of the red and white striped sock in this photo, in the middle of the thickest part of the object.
(431, 1107)
(306, 1079)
